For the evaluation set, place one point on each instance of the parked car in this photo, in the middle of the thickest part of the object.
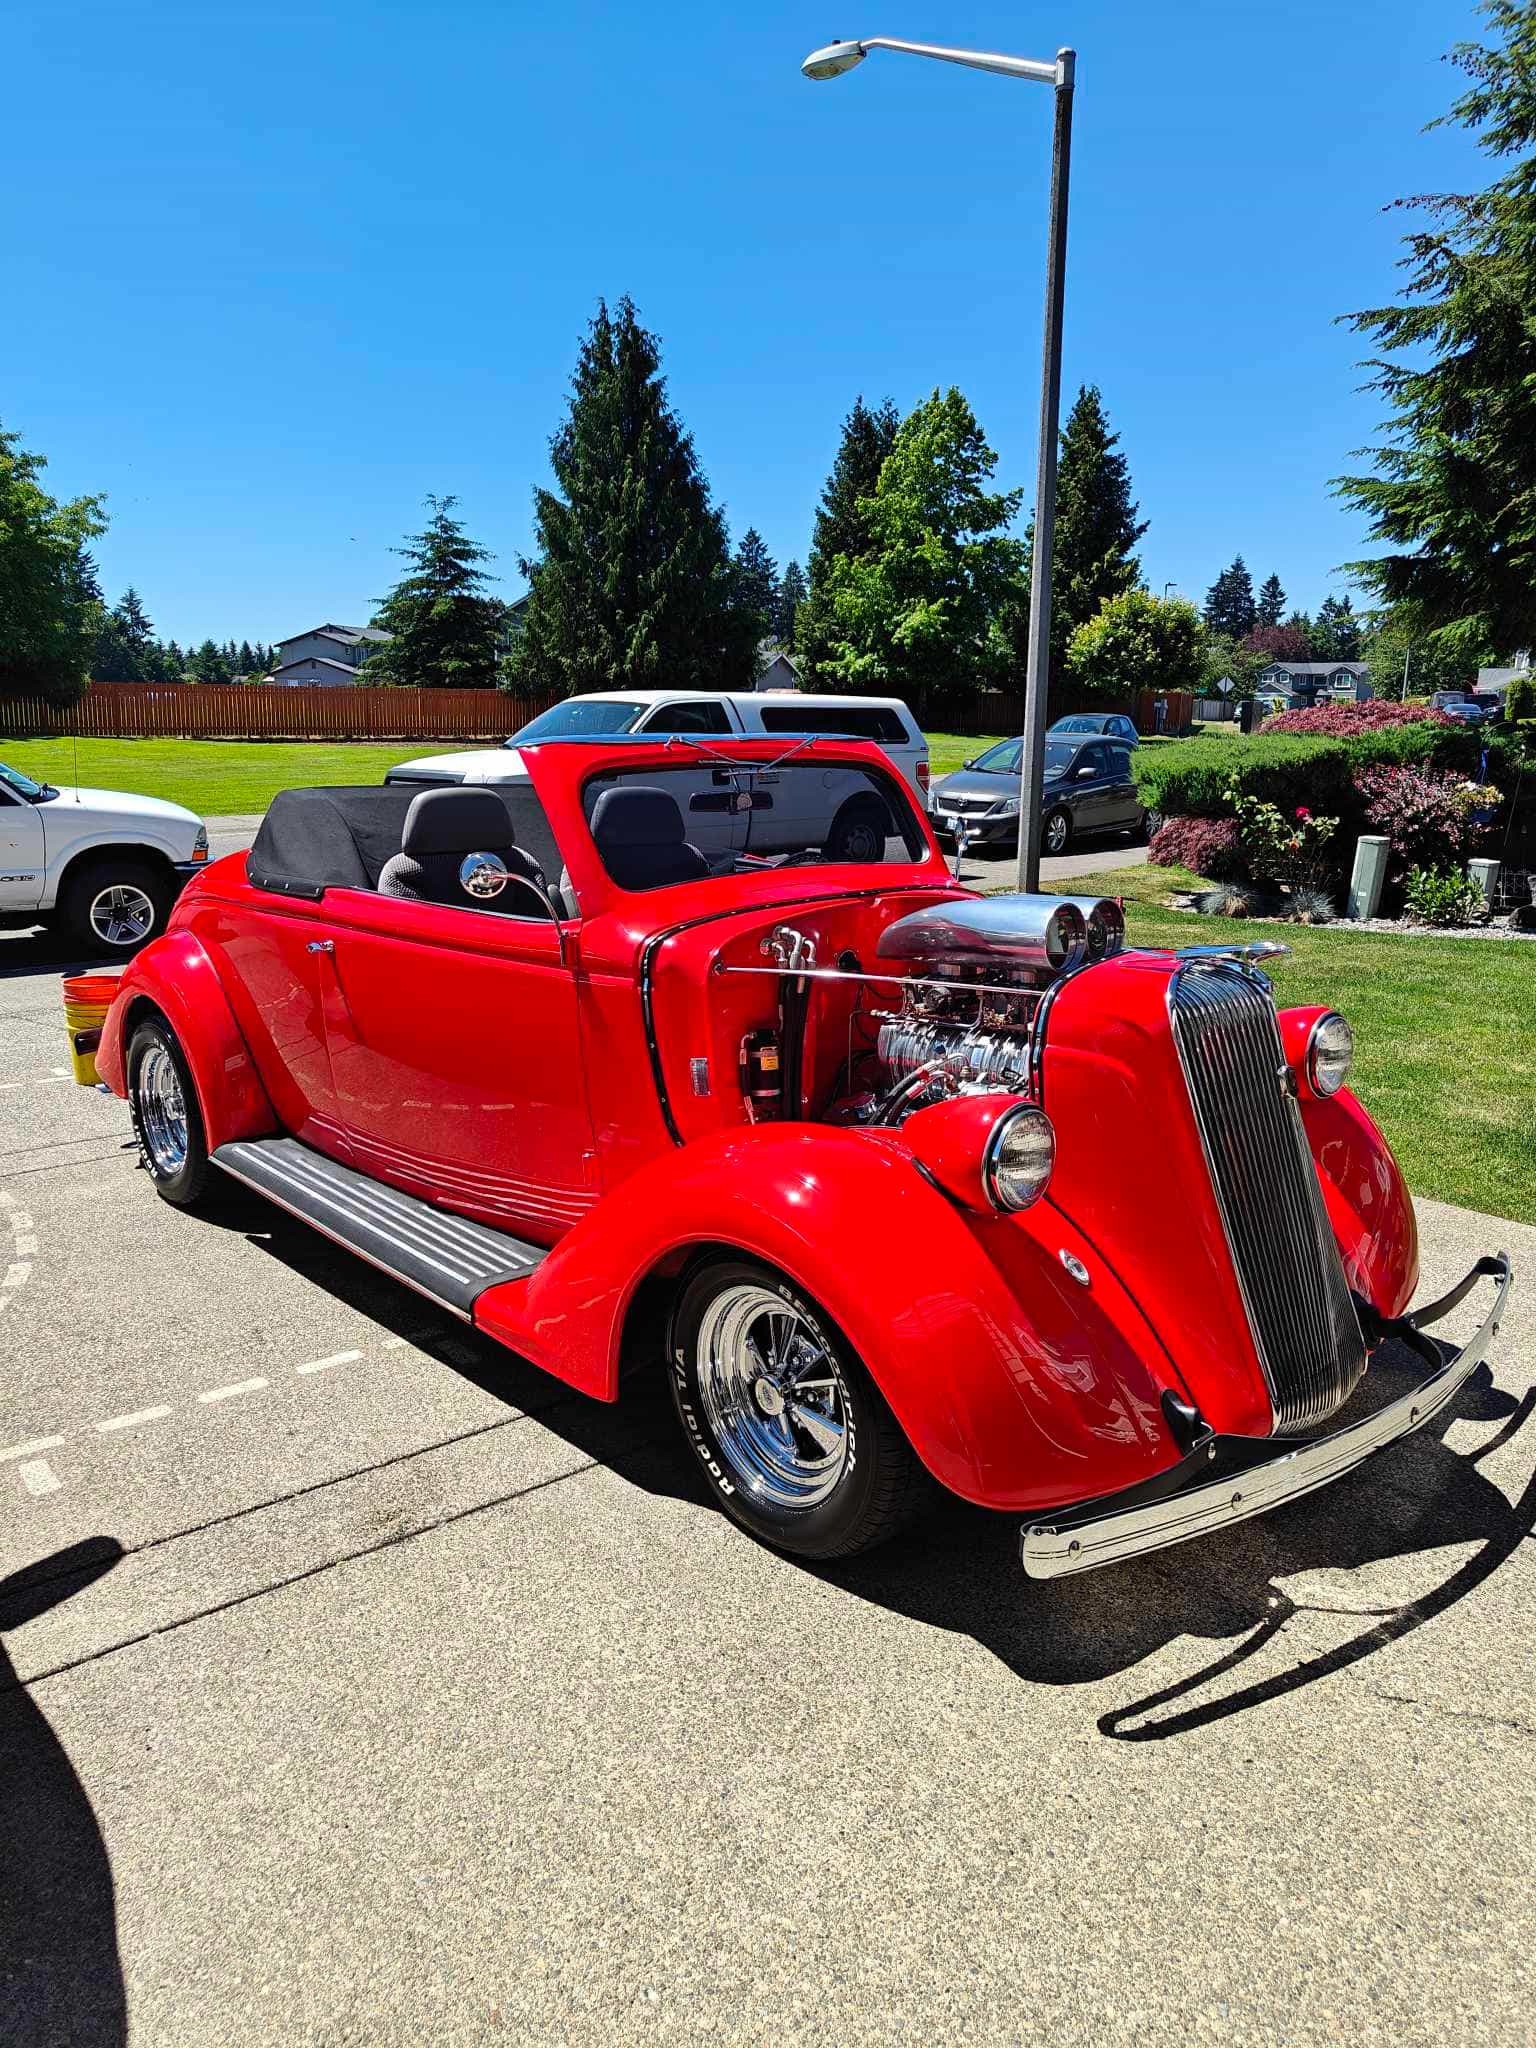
(102, 865)
(1089, 787)
(781, 1131)
(1112, 725)
(1464, 711)
(885, 720)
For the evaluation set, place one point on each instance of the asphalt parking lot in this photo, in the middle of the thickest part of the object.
(360, 1684)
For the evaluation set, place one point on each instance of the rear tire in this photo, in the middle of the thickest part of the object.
(793, 1435)
(166, 1116)
(112, 907)
(859, 832)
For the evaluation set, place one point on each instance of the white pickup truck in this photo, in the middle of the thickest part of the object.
(103, 866)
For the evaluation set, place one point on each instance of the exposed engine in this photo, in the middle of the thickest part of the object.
(979, 972)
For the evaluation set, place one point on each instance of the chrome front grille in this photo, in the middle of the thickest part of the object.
(1287, 1261)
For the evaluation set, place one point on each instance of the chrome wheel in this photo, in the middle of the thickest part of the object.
(162, 1113)
(774, 1398)
(1056, 832)
(121, 914)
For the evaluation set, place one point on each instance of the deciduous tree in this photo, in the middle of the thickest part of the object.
(633, 583)
(442, 625)
(1138, 642)
(1454, 489)
(920, 612)
(49, 598)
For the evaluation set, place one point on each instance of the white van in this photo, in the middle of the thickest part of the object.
(759, 713)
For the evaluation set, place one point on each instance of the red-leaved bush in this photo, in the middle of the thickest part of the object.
(1427, 818)
(1206, 846)
(1344, 721)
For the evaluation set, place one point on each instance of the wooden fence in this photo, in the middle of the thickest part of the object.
(266, 711)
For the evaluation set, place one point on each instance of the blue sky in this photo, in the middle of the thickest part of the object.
(274, 273)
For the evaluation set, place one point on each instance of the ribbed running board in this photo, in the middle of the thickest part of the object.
(439, 1254)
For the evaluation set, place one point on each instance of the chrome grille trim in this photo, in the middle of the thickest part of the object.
(1303, 1322)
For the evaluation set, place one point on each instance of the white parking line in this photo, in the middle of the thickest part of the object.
(38, 1477)
(325, 1364)
(38, 1443)
(133, 1421)
(229, 1393)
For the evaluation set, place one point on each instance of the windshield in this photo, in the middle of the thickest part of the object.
(1081, 723)
(1003, 758)
(660, 825)
(1058, 756)
(575, 718)
(34, 792)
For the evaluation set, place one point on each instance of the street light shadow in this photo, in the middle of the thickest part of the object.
(61, 1977)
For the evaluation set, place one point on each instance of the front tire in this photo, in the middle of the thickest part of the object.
(793, 1435)
(166, 1116)
(112, 907)
(1056, 833)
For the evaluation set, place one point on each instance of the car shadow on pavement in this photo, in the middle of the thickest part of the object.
(61, 1978)
(959, 1568)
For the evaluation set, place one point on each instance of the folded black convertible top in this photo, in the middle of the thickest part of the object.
(340, 837)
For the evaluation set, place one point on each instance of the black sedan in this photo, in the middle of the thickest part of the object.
(1109, 725)
(1089, 787)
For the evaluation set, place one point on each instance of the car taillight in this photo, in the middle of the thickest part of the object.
(922, 776)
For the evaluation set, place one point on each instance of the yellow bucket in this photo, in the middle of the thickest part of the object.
(87, 999)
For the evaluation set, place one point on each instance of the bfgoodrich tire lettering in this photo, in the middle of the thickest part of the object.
(789, 1429)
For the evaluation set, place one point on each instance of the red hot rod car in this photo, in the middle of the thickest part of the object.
(932, 1187)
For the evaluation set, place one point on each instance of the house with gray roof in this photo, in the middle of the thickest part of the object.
(1312, 679)
(328, 655)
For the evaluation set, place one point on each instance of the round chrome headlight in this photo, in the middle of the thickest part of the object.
(1021, 1151)
(1330, 1054)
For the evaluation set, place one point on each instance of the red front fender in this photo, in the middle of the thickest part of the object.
(175, 976)
(1018, 1386)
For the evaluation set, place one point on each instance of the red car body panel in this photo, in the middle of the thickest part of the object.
(590, 1104)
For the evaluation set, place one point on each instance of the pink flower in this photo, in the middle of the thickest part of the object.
(1302, 811)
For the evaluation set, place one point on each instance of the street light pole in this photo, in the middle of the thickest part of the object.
(832, 62)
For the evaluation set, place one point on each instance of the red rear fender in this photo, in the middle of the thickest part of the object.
(175, 976)
(1018, 1386)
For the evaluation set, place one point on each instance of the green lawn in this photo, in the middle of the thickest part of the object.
(1445, 1034)
(212, 777)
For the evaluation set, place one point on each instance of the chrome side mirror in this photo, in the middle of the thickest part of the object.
(484, 875)
(964, 834)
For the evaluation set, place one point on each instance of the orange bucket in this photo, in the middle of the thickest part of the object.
(87, 999)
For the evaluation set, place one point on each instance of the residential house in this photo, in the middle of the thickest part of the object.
(1493, 682)
(775, 669)
(327, 655)
(1310, 680)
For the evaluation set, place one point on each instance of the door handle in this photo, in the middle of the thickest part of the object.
(321, 946)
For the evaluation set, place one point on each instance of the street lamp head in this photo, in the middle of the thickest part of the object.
(834, 60)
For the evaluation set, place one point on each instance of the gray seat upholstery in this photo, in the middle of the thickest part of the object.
(441, 827)
(638, 830)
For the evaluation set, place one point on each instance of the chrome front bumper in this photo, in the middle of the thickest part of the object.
(1188, 1500)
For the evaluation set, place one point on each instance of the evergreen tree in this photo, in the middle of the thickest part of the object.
(920, 612)
(50, 602)
(1093, 555)
(791, 597)
(245, 662)
(633, 585)
(138, 631)
(443, 628)
(1271, 602)
(757, 581)
(207, 664)
(175, 662)
(1229, 605)
(1455, 488)
(842, 530)
(1336, 631)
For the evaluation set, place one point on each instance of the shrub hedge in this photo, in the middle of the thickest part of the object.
(1188, 778)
